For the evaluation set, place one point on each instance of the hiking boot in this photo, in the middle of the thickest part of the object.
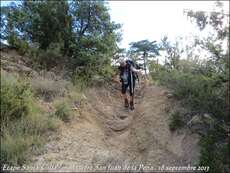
(131, 105)
(126, 103)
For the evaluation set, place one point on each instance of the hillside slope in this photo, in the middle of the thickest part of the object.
(107, 134)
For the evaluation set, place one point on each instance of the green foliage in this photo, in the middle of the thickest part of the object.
(63, 111)
(201, 93)
(21, 45)
(13, 149)
(25, 136)
(22, 123)
(107, 71)
(84, 76)
(72, 34)
(175, 121)
(80, 80)
(48, 89)
(46, 22)
(143, 48)
(51, 57)
(211, 147)
(173, 53)
(16, 98)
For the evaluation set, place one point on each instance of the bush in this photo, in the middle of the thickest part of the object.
(22, 123)
(16, 98)
(21, 45)
(107, 71)
(51, 57)
(82, 82)
(215, 153)
(199, 92)
(63, 111)
(48, 88)
(92, 74)
(33, 53)
(13, 149)
(25, 136)
(176, 121)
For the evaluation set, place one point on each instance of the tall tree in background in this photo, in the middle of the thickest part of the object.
(216, 44)
(94, 33)
(173, 53)
(79, 31)
(144, 48)
(42, 22)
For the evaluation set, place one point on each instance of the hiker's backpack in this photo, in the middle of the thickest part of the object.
(131, 63)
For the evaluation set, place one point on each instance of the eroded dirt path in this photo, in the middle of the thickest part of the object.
(107, 134)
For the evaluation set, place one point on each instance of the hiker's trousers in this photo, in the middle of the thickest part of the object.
(131, 87)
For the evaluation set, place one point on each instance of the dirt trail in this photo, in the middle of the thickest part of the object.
(107, 134)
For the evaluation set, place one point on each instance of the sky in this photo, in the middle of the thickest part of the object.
(154, 19)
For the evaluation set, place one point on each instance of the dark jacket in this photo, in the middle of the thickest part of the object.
(127, 69)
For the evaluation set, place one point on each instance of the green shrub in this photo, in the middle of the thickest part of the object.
(198, 92)
(215, 153)
(21, 45)
(176, 121)
(51, 57)
(36, 124)
(82, 81)
(107, 71)
(25, 136)
(16, 98)
(91, 75)
(48, 88)
(33, 53)
(22, 123)
(63, 111)
(13, 149)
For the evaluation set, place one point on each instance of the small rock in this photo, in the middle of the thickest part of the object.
(25, 69)
(10, 69)
(84, 97)
(77, 104)
(169, 95)
(195, 120)
(34, 74)
(122, 116)
(208, 118)
(118, 125)
(201, 123)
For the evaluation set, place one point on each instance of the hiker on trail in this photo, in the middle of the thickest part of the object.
(128, 76)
